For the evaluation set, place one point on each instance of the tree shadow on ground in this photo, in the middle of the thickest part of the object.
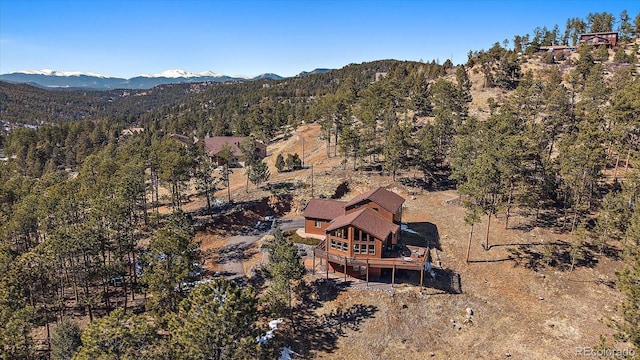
(321, 333)
(508, 258)
(314, 293)
(231, 253)
(258, 278)
(447, 281)
(439, 180)
(240, 217)
(552, 218)
(557, 255)
(423, 234)
(606, 250)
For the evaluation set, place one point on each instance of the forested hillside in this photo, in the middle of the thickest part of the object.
(555, 135)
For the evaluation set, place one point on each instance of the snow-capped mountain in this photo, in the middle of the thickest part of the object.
(76, 79)
(49, 72)
(177, 73)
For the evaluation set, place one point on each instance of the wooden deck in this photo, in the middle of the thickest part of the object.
(408, 258)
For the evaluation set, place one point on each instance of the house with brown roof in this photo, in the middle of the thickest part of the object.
(215, 144)
(609, 39)
(318, 214)
(386, 203)
(361, 236)
(557, 49)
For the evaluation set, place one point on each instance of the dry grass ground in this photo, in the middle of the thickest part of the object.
(519, 311)
(529, 314)
(542, 313)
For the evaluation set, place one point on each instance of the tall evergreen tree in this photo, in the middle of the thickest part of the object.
(65, 340)
(286, 270)
(280, 164)
(628, 328)
(171, 257)
(464, 84)
(217, 320)
(259, 173)
(119, 335)
(600, 22)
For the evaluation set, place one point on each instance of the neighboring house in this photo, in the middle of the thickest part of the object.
(215, 144)
(183, 139)
(362, 235)
(131, 131)
(609, 39)
(558, 48)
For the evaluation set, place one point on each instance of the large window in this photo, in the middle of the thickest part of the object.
(340, 233)
(339, 245)
(364, 244)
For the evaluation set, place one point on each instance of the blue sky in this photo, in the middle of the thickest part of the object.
(127, 38)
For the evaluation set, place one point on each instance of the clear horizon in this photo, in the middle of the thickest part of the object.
(129, 38)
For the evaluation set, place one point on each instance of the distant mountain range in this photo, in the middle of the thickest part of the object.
(60, 79)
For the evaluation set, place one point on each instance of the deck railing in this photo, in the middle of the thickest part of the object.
(407, 262)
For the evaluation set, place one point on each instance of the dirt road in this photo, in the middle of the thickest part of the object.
(230, 255)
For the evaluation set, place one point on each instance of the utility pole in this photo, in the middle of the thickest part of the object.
(312, 181)
(303, 152)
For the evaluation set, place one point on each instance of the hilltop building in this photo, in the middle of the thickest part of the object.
(609, 39)
(361, 236)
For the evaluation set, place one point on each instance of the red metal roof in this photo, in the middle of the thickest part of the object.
(366, 220)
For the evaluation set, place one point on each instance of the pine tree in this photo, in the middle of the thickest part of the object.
(119, 335)
(620, 56)
(259, 173)
(395, 149)
(249, 156)
(625, 29)
(65, 340)
(293, 162)
(171, 257)
(628, 328)
(280, 163)
(601, 54)
(217, 320)
(286, 270)
(427, 159)
(508, 72)
(600, 22)
(421, 97)
(203, 174)
(471, 217)
(464, 84)
(175, 164)
(225, 156)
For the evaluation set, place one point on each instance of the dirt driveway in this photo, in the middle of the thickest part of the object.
(235, 248)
